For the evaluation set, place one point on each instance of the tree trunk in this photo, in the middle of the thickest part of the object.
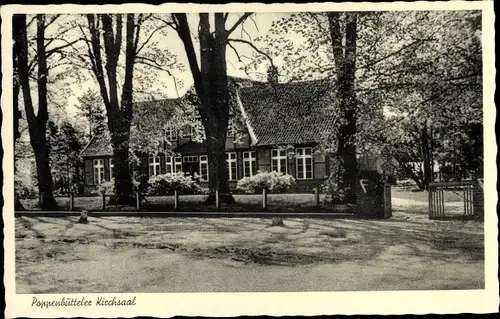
(37, 124)
(426, 158)
(345, 60)
(214, 106)
(44, 177)
(121, 169)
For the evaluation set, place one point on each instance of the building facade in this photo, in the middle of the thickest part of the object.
(272, 127)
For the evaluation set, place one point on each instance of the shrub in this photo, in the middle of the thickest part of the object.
(25, 190)
(168, 183)
(334, 193)
(272, 181)
(106, 187)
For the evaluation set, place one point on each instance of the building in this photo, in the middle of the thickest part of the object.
(272, 127)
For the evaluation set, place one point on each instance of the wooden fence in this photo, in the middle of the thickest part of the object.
(471, 193)
(141, 198)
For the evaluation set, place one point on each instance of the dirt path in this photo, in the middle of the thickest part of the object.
(118, 254)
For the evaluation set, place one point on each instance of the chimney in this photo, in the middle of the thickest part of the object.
(272, 74)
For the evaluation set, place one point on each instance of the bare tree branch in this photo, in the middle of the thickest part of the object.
(241, 20)
(253, 47)
(149, 38)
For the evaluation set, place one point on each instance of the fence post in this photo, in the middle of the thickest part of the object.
(264, 198)
(316, 196)
(430, 202)
(71, 201)
(176, 199)
(217, 199)
(40, 199)
(137, 200)
(103, 201)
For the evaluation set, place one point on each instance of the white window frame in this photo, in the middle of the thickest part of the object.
(171, 133)
(189, 134)
(190, 159)
(203, 161)
(154, 165)
(169, 164)
(98, 165)
(277, 154)
(301, 156)
(178, 164)
(111, 166)
(230, 127)
(232, 159)
(250, 158)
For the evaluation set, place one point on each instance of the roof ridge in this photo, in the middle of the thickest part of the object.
(86, 146)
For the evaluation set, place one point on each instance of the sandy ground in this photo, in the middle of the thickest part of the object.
(124, 254)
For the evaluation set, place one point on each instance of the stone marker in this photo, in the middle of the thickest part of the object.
(83, 217)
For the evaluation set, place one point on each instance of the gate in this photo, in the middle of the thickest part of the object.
(470, 193)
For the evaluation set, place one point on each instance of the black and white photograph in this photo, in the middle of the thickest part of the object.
(198, 149)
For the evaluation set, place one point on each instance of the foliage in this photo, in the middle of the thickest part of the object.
(275, 182)
(106, 187)
(421, 68)
(65, 161)
(166, 184)
(91, 107)
(25, 188)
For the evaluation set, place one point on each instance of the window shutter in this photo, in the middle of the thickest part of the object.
(162, 164)
(89, 172)
(106, 169)
(144, 165)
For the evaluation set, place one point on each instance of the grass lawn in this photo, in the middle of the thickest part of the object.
(129, 254)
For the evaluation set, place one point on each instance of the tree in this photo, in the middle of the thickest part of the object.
(212, 88)
(422, 66)
(65, 147)
(345, 66)
(37, 122)
(90, 107)
(42, 53)
(119, 111)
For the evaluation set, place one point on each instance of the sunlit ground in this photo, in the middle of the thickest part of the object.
(127, 254)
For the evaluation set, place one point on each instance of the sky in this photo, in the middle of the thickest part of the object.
(171, 42)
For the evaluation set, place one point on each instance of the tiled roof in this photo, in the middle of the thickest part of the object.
(146, 113)
(98, 146)
(191, 148)
(279, 114)
(288, 113)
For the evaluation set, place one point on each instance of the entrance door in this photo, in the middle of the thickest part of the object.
(190, 165)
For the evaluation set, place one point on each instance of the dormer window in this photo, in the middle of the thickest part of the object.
(171, 133)
(188, 131)
(230, 127)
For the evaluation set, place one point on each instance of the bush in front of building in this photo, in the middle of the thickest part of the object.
(166, 184)
(274, 182)
(106, 188)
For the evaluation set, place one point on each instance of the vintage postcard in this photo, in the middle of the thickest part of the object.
(249, 159)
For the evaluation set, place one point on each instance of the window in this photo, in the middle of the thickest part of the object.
(178, 164)
(230, 127)
(231, 166)
(169, 164)
(188, 131)
(171, 133)
(304, 163)
(154, 165)
(190, 159)
(249, 164)
(98, 171)
(204, 167)
(279, 161)
(111, 166)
